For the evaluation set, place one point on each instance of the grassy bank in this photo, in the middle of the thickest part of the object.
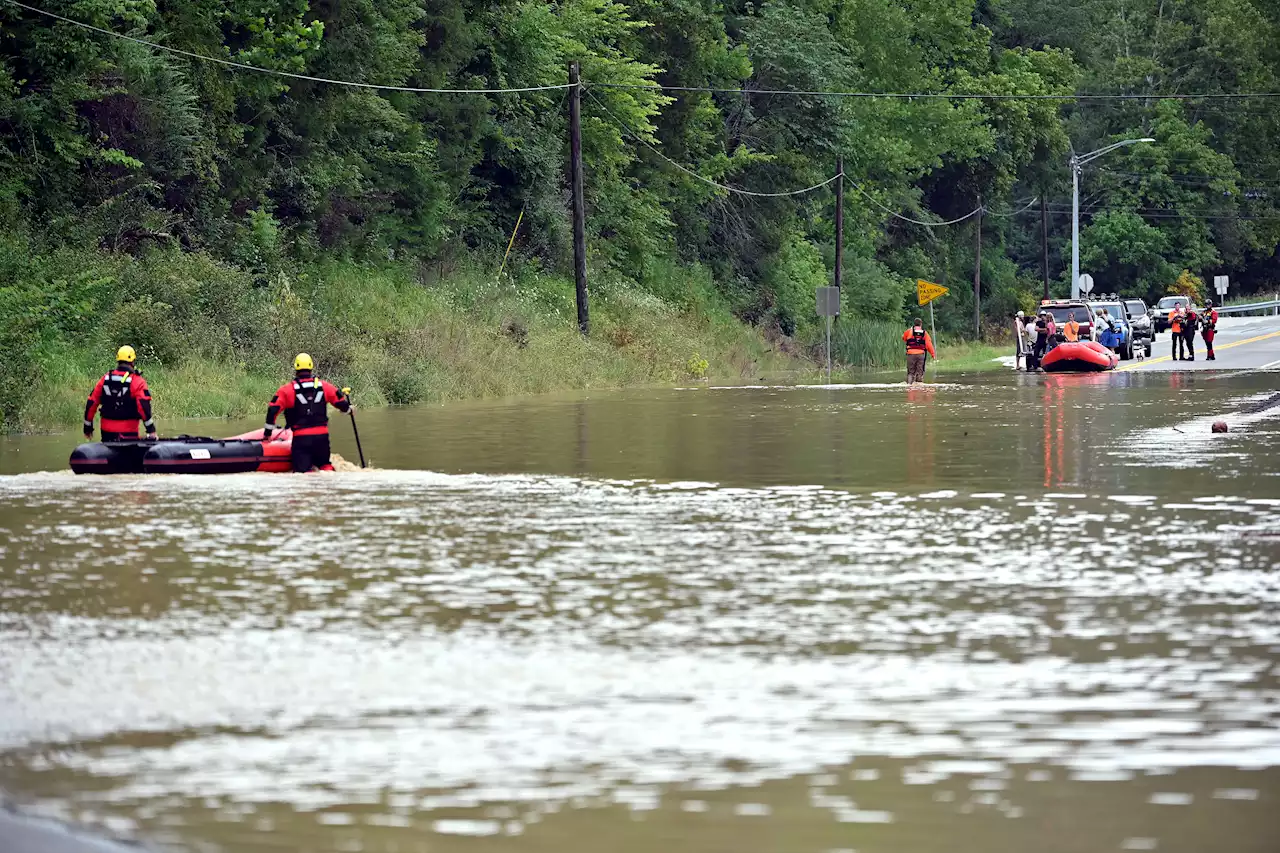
(876, 345)
(215, 340)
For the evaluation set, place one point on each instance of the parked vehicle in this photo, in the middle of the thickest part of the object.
(1140, 320)
(1162, 309)
(1062, 309)
(1121, 341)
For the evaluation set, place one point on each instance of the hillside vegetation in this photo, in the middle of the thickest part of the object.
(220, 217)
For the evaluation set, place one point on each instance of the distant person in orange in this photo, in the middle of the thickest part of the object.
(918, 344)
(1209, 329)
(1071, 329)
(1175, 328)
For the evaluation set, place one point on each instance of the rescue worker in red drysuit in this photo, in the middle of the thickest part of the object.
(1209, 320)
(305, 401)
(918, 343)
(125, 400)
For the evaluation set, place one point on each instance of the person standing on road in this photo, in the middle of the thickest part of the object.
(1175, 331)
(1041, 344)
(1190, 321)
(125, 401)
(1051, 327)
(1210, 329)
(304, 401)
(918, 343)
(1019, 341)
(1071, 329)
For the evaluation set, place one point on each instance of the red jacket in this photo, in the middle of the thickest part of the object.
(125, 402)
(305, 413)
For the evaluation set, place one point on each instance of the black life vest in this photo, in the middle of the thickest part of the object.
(1210, 322)
(117, 397)
(309, 407)
(1191, 322)
(916, 341)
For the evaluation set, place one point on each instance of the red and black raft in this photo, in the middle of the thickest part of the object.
(186, 454)
(1079, 357)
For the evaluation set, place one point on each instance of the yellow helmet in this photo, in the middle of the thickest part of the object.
(126, 353)
(303, 362)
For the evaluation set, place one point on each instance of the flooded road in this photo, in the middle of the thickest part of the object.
(995, 615)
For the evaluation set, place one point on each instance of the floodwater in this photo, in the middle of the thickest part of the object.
(1004, 614)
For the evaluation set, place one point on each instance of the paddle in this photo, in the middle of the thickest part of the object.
(355, 429)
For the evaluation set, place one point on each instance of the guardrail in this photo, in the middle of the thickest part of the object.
(1272, 305)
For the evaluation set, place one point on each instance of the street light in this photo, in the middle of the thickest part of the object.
(1077, 161)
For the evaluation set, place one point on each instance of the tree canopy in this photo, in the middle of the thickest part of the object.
(125, 145)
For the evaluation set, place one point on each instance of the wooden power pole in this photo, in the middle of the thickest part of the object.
(579, 203)
(840, 221)
(1044, 243)
(977, 274)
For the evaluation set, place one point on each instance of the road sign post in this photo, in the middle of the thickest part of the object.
(1086, 283)
(926, 292)
(828, 299)
(1220, 283)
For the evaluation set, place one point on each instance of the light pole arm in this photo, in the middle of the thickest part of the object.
(1077, 161)
(1094, 155)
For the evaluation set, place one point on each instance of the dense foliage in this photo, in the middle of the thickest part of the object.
(112, 144)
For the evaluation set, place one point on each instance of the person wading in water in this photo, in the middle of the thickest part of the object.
(125, 400)
(918, 343)
(305, 401)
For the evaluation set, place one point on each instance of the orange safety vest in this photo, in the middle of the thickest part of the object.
(1175, 322)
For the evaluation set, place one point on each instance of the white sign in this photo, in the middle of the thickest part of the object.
(1086, 283)
(1220, 284)
(199, 454)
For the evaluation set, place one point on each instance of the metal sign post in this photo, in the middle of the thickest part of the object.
(828, 299)
(1086, 283)
(926, 292)
(1220, 283)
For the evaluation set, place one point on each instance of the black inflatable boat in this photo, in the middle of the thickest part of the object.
(185, 454)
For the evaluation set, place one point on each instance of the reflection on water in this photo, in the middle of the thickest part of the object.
(951, 619)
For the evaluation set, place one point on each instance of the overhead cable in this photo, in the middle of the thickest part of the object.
(288, 74)
(943, 96)
(897, 215)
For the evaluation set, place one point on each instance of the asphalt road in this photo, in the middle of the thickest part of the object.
(1243, 343)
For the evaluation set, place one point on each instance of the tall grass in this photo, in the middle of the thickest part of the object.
(868, 344)
(213, 345)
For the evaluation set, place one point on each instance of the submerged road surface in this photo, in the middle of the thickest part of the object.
(1243, 343)
(997, 614)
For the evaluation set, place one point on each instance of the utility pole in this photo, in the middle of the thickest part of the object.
(840, 221)
(579, 203)
(977, 275)
(1044, 243)
(1075, 227)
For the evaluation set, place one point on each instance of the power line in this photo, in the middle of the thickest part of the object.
(1160, 213)
(947, 96)
(897, 215)
(1014, 212)
(690, 172)
(258, 69)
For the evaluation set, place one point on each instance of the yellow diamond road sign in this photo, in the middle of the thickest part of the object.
(927, 291)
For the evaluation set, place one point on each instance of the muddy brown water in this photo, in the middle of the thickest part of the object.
(994, 615)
